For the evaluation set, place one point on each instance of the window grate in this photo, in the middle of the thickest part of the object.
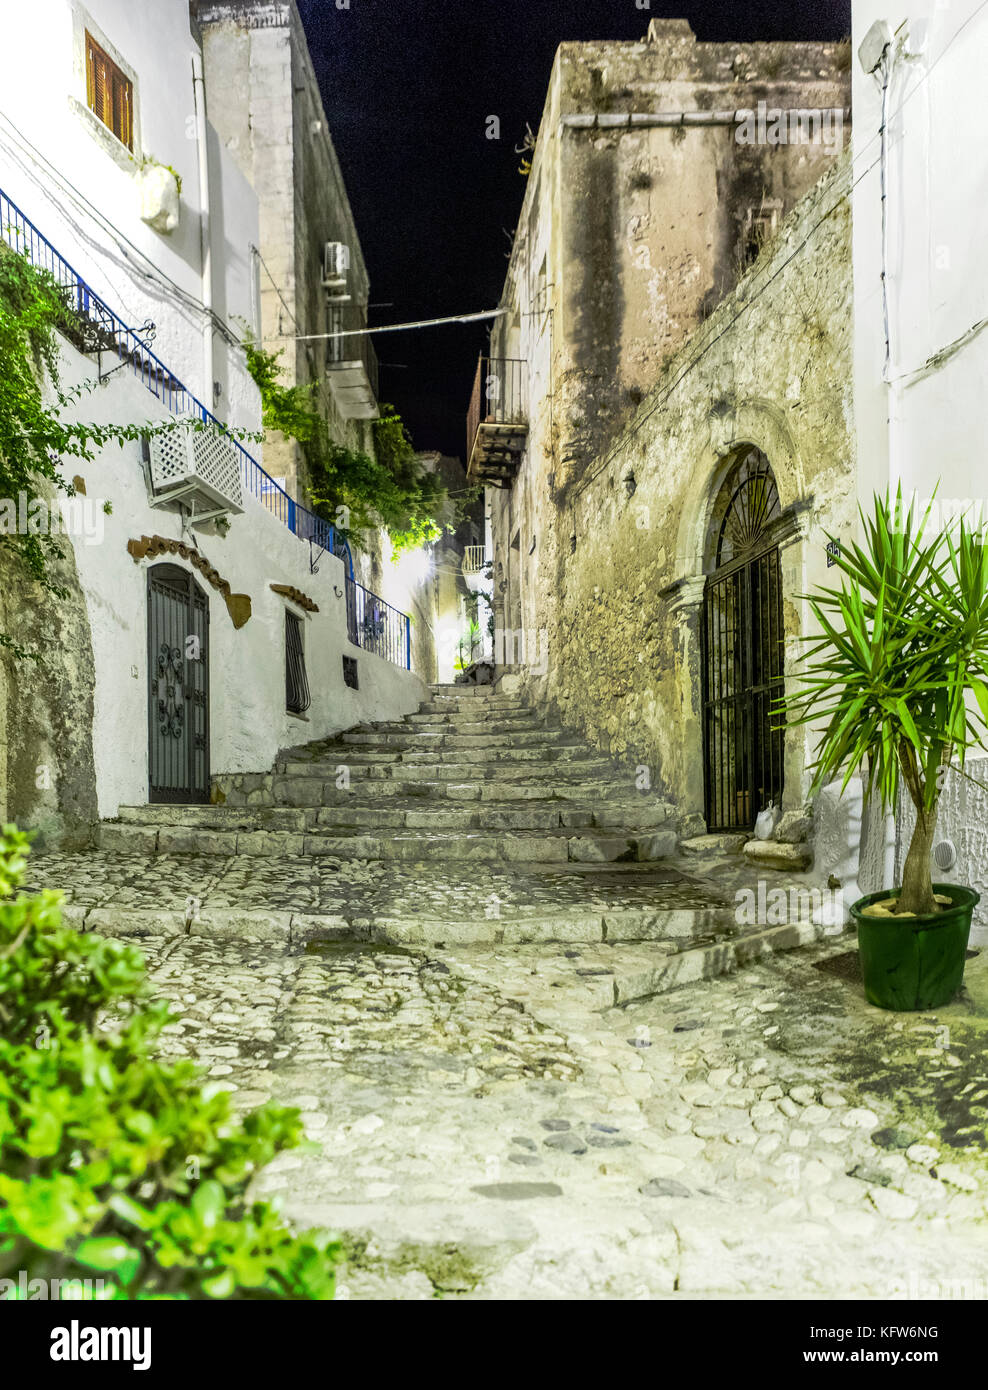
(109, 93)
(350, 677)
(297, 697)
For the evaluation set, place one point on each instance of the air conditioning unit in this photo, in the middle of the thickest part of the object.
(199, 468)
(335, 267)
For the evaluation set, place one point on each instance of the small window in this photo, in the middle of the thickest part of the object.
(350, 677)
(760, 226)
(110, 93)
(297, 696)
(335, 347)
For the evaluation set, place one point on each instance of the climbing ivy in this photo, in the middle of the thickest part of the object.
(388, 488)
(35, 436)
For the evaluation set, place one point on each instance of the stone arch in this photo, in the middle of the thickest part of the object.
(755, 423)
(734, 427)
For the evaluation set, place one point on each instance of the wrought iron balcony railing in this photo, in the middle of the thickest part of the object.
(377, 627)
(497, 421)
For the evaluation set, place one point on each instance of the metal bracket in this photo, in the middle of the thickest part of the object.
(316, 552)
(150, 331)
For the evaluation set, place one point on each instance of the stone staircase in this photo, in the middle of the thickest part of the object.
(472, 776)
(474, 822)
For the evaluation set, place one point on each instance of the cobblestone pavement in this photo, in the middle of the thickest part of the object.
(488, 1130)
(360, 888)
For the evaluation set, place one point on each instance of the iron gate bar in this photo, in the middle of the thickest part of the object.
(741, 676)
(178, 688)
(297, 696)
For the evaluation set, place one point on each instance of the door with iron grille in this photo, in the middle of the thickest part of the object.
(178, 694)
(742, 652)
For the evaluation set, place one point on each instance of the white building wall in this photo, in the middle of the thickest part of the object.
(81, 187)
(926, 425)
(248, 720)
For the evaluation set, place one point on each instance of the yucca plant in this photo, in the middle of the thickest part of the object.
(899, 672)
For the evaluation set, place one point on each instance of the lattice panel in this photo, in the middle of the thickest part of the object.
(202, 457)
(217, 465)
(170, 463)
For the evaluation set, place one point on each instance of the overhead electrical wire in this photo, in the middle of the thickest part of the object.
(125, 246)
(389, 328)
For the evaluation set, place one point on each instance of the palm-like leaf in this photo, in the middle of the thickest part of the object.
(901, 646)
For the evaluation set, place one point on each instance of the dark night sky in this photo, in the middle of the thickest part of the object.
(408, 86)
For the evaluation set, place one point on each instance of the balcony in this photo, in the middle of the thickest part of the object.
(497, 423)
(474, 559)
(351, 364)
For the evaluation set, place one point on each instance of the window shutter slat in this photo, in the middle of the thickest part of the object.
(109, 93)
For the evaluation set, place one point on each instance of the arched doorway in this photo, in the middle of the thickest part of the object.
(743, 648)
(178, 687)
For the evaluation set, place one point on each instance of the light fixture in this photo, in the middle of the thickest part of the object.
(874, 44)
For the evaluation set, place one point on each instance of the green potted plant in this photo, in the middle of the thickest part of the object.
(898, 677)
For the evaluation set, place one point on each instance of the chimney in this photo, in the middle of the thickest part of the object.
(669, 30)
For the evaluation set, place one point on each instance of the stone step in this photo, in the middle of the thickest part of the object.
(435, 726)
(722, 843)
(676, 934)
(496, 790)
(534, 815)
(304, 792)
(512, 847)
(287, 818)
(469, 692)
(402, 737)
(639, 953)
(431, 711)
(514, 762)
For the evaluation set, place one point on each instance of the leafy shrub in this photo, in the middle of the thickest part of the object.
(387, 487)
(113, 1165)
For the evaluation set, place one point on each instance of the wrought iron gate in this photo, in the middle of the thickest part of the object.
(178, 693)
(742, 642)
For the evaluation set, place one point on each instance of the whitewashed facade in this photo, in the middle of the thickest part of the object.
(162, 227)
(919, 387)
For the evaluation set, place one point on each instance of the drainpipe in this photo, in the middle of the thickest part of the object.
(876, 56)
(199, 101)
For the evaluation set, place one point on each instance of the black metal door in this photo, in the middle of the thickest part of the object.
(743, 676)
(178, 694)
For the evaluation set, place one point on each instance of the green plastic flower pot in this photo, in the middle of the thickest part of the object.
(918, 962)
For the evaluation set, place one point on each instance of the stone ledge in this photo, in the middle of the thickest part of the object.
(771, 854)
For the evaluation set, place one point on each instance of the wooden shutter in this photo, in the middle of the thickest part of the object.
(109, 92)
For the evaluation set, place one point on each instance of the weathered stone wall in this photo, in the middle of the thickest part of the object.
(629, 234)
(620, 582)
(647, 221)
(47, 772)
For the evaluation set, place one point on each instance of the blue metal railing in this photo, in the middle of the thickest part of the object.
(111, 334)
(377, 627)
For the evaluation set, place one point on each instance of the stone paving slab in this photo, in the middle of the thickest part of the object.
(487, 1132)
(670, 927)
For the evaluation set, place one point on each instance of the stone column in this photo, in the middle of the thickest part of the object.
(683, 601)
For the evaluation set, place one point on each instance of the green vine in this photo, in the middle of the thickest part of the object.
(35, 438)
(388, 488)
